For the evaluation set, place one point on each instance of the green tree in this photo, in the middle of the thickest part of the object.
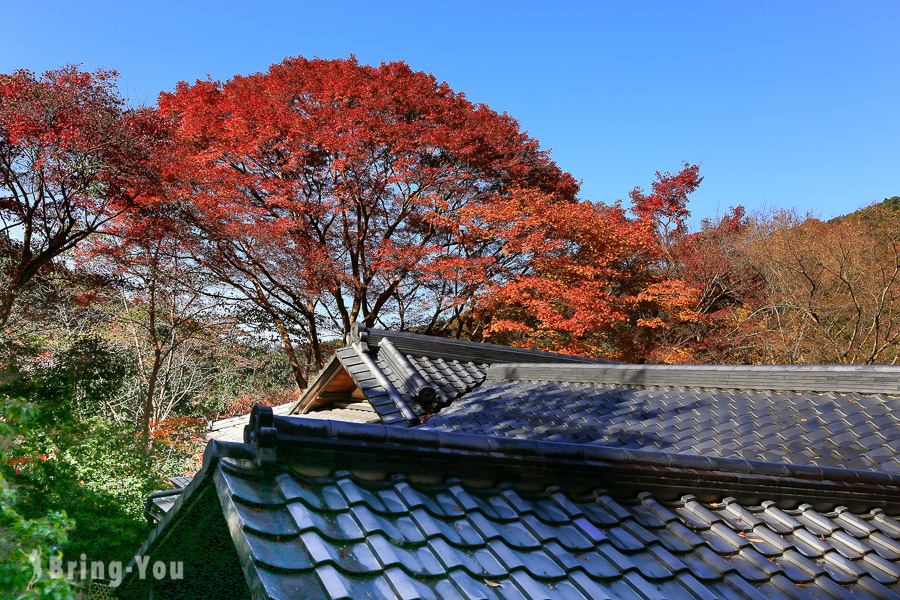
(27, 544)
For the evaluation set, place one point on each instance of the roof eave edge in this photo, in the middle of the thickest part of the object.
(326, 376)
(807, 378)
(214, 451)
(366, 443)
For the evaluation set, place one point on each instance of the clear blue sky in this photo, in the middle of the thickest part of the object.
(785, 104)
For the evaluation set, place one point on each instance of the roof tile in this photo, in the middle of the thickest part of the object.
(448, 539)
(884, 546)
(802, 428)
(289, 554)
(341, 526)
(882, 570)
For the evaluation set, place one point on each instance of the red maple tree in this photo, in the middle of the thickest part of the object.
(329, 192)
(592, 280)
(71, 158)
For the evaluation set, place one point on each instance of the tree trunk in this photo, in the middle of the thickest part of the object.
(148, 400)
(289, 352)
(314, 343)
(6, 305)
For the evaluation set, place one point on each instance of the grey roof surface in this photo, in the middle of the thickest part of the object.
(391, 369)
(340, 536)
(823, 428)
(468, 516)
(352, 412)
(179, 482)
(554, 478)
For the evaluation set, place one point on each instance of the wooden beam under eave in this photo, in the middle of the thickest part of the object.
(332, 384)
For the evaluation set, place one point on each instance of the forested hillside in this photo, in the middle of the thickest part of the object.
(162, 267)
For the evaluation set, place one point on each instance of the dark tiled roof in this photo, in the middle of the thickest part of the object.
(824, 428)
(407, 376)
(341, 536)
(450, 379)
(319, 509)
(552, 478)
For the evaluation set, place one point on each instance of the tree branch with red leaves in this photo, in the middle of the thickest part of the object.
(71, 158)
(329, 192)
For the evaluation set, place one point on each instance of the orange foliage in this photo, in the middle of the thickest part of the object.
(588, 279)
(328, 192)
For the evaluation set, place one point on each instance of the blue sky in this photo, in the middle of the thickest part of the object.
(785, 104)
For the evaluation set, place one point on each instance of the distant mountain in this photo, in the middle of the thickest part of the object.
(889, 208)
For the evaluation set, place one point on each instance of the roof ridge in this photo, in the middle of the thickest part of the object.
(650, 469)
(878, 379)
(427, 345)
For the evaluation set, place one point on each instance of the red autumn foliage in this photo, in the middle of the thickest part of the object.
(666, 205)
(71, 158)
(329, 192)
(590, 282)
